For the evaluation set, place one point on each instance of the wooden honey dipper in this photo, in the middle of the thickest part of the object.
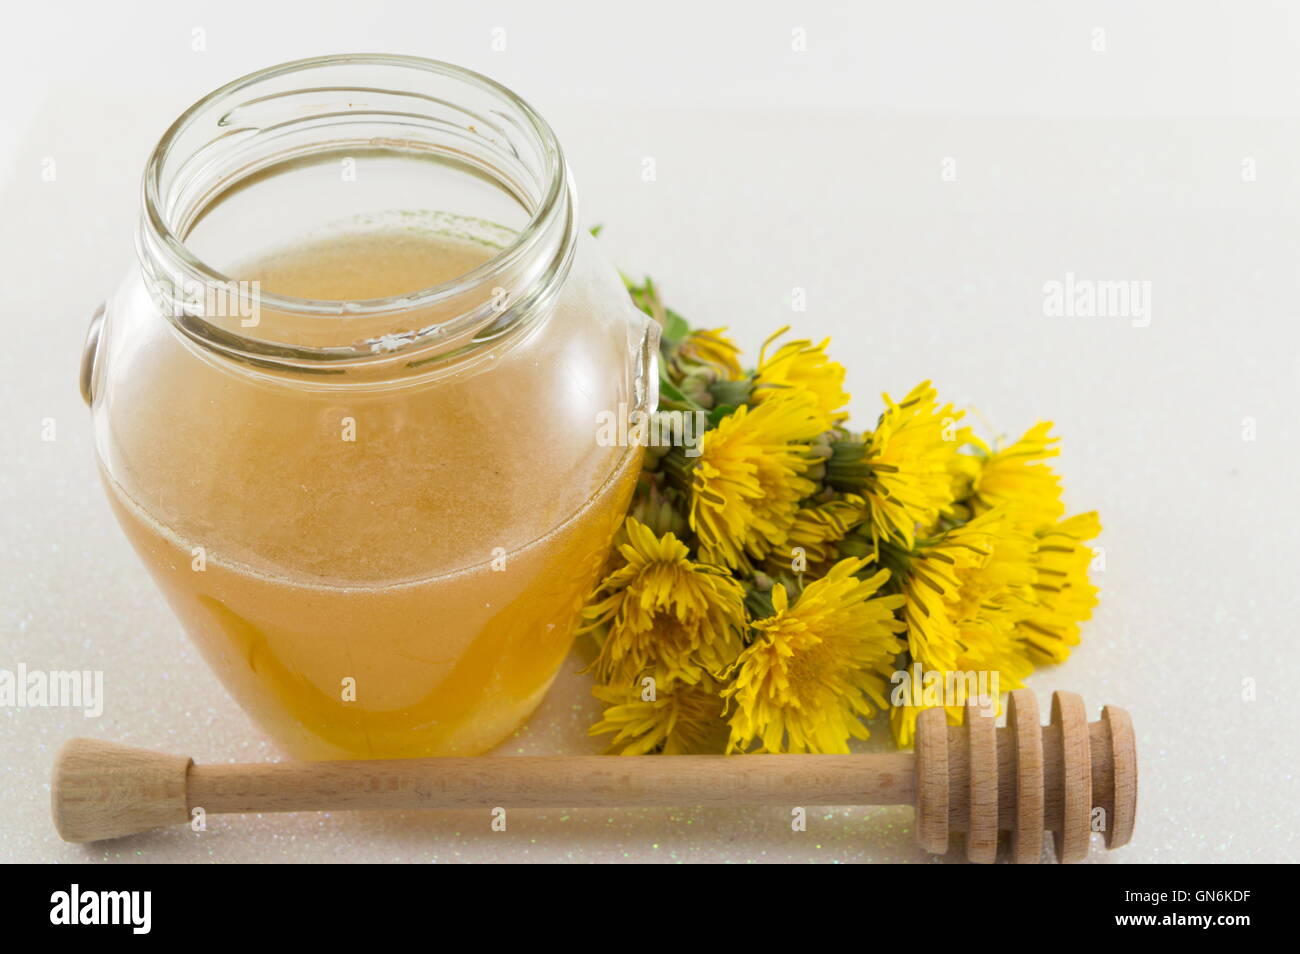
(1025, 778)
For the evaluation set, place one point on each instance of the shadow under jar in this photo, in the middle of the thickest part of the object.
(346, 408)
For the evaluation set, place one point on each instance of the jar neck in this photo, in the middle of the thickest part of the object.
(475, 146)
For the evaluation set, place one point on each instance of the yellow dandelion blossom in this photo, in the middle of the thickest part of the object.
(963, 469)
(902, 718)
(805, 366)
(964, 595)
(994, 597)
(1065, 597)
(931, 582)
(817, 529)
(663, 614)
(711, 346)
(902, 724)
(909, 458)
(968, 596)
(684, 721)
(1016, 479)
(999, 588)
(748, 480)
(817, 667)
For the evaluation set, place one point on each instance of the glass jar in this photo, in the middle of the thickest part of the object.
(376, 509)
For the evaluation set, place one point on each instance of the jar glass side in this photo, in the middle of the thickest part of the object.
(380, 564)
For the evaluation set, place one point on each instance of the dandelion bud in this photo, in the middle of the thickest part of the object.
(695, 385)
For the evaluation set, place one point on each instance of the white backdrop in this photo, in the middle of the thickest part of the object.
(920, 171)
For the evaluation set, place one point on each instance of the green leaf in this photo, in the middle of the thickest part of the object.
(675, 326)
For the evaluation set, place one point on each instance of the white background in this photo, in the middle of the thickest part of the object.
(776, 170)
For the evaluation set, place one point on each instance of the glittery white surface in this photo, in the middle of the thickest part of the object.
(775, 170)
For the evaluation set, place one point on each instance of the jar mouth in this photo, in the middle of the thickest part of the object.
(229, 120)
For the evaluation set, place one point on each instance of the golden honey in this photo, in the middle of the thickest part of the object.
(384, 572)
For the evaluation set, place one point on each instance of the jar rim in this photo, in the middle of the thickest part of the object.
(523, 244)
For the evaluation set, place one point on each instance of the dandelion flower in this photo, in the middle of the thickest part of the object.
(994, 595)
(1016, 479)
(1065, 596)
(711, 347)
(684, 721)
(818, 528)
(963, 469)
(749, 478)
(1005, 600)
(965, 592)
(902, 724)
(968, 596)
(663, 614)
(904, 467)
(817, 667)
(805, 366)
(931, 582)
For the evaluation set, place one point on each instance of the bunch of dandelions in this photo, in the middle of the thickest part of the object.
(769, 581)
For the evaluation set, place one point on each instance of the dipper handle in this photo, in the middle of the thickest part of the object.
(1026, 779)
(104, 790)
